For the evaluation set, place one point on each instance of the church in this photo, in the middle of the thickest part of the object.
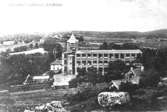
(74, 58)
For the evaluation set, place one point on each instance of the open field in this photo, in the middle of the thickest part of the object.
(42, 96)
(36, 97)
(154, 39)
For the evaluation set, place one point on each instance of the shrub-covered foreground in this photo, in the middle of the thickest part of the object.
(84, 98)
(142, 99)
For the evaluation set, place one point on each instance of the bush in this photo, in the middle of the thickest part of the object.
(149, 78)
(86, 91)
(86, 76)
(146, 97)
(128, 87)
(76, 81)
(115, 70)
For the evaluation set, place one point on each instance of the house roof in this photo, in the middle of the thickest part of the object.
(40, 77)
(135, 80)
(72, 39)
(56, 62)
(116, 83)
(137, 74)
(33, 51)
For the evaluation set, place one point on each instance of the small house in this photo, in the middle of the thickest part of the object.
(56, 66)
(41, 79)
(10, 42)
(132, 76)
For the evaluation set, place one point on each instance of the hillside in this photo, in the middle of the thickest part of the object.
(93, 35)
(124, 34)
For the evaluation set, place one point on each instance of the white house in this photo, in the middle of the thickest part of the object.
(33, 51)
(9, 42)
(40, 79)
(56, 65)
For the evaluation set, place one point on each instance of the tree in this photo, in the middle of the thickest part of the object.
(155, 59)
(118, 46)
(161, 61)
(51, 74)
(31, 46)
(148, 58)
(17, 67)
(115, 70)
(104, 46)
(19, 49)
(57, 51)
(149, 78)
(93, 76)
(89, 76)
(54, 49)
(130, 46)
(36, 45)
(128, 87)
(80, 38)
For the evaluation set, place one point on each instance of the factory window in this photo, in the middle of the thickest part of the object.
(128, 55)
(89, 55)
(111, 55)
(94, 55)
(89, 62)
(94, 61)
(83, 55)
(78, 55)
(116, 56)
(100, 61)
(105, 62)
(72, 44)
(100, 69)
(100, 55)
(84, 62)
(105, 55)
(65, 61)
(65, 68)
(122, 55)
(65, 55)
(138, 55)
(78, 62)
(133, 55)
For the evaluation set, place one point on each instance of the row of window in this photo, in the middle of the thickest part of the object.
(99, 69)
(90, 62)
(106, 55)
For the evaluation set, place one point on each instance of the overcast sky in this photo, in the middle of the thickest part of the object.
(28, 16)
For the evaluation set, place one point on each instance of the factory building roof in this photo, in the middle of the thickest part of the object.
(109, 51)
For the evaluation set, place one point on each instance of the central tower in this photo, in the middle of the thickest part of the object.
(69, 56)
(72, 44)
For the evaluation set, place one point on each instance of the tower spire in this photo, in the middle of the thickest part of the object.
(72, 39)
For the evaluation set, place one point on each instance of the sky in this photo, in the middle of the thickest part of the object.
(42, 16)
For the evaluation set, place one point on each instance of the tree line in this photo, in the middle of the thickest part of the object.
(110, 46)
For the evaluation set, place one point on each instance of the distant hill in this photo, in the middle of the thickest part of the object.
(93, 35)
(127, 34)
(162, 33)
(107, 34)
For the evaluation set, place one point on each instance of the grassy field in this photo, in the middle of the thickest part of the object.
(41, 96)
(36, 97)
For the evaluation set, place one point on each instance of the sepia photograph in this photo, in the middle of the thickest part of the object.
(83, 55)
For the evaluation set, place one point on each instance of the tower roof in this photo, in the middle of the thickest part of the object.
(72, 39)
